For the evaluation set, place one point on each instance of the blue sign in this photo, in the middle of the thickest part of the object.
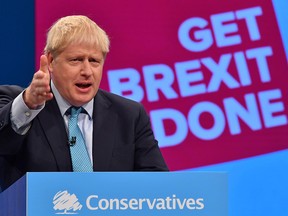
(127, 193)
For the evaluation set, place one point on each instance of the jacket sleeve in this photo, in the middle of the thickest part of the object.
(10, 141)
(148, 156)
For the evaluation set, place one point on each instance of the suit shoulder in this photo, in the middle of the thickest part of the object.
(120, 100)
(10, 90)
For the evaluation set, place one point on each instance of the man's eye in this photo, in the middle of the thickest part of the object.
(93, 60)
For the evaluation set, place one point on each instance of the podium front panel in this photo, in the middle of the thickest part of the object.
(127, 193)
(117, 193)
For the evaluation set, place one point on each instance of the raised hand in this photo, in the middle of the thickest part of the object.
(38, 92)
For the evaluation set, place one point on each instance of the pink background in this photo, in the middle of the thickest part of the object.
(145, 33)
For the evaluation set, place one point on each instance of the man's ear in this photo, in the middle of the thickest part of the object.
(50, 61)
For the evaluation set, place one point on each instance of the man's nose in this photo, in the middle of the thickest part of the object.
(86, 68)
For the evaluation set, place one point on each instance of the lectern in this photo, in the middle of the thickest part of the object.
(117, 193)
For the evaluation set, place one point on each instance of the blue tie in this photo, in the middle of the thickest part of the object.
(79, 154)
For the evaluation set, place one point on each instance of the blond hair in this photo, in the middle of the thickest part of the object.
(75, 29)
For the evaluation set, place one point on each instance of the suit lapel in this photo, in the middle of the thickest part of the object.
(104, 122)
(54, 129)
(104, 125)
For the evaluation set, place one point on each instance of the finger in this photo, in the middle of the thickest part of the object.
(41, 79)
(48, 96)
(39, 75)
(44, 64)
(42, 90)
(45, 96)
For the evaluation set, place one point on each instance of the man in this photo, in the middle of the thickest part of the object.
(34, 122)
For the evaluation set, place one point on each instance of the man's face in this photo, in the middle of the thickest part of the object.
(77, 73)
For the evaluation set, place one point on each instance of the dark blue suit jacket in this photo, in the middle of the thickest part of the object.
(122, 139)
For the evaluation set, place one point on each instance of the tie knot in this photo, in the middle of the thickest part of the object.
(74, 111)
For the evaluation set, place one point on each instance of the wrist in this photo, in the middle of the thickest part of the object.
(27, 100)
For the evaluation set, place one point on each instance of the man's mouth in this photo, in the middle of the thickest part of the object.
(83, 85)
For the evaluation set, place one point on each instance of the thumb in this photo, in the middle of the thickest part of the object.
(44, 64)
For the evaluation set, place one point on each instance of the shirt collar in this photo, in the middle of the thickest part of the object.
(64, 105)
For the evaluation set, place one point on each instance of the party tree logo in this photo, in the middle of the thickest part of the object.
(66, 203)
